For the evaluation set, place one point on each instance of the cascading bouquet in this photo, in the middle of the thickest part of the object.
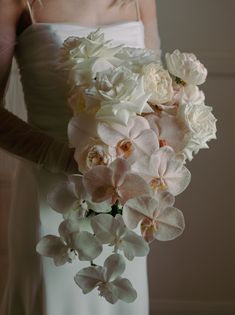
(134, 126)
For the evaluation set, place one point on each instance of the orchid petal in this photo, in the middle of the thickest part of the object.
(104, 227)
(88, 278)
(126, 292)
(134, 245)
(170, 224)
(114, 266)
(52, 246)
(87, 246)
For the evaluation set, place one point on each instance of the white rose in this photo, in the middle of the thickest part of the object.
(158, 82)
(85, 56)
(122, 95)
(191, 94)
(186, 67)
(201, 125)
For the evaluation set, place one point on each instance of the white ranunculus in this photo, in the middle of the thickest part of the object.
(135, 58)
(201, 125)
(108, 281)
(191, 94)
(186, 67)
(158, 82)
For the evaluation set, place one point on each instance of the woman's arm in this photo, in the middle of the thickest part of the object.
(148, 15)
(10, 11)
(16, 136)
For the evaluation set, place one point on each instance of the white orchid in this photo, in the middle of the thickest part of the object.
(107, 278)
(186, 67)
(112, 230)
(71, 243)
(164, 171)
(114, 183)
(131, 141)
(159, 219)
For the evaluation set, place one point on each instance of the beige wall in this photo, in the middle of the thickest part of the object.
(196, 273)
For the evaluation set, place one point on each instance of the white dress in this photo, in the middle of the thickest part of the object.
(35, 286)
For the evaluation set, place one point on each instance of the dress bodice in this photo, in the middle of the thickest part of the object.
(44, 82)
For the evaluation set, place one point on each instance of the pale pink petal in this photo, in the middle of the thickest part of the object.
(114, 266)
(67, 228)
(105, 227)
(170, 224)
(120, 167)
(80, 190)
(112, 133)
(88, 278)
(110, 292)
(126, 292)
(62, 197)
(137, 209)
(136, 125)
(146, 143)
(98, 183)
(87, 246)
(80, 129)
(134, 245)
(132, 186)
(52, 246)
(176, 176)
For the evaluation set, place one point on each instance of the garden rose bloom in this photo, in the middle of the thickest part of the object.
(201, 125)
(158, 82)
(186, 67)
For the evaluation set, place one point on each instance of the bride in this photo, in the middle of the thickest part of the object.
(33, 32)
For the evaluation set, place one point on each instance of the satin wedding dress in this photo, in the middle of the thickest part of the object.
(36, 286)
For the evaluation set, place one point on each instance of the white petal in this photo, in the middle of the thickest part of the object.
(115, 266)
(88, 278)
(105, 227)
(52, 246)
(170, 224)
(134, 245)
(62, 197)
(126, 291)
(137, 209)
(87, 246)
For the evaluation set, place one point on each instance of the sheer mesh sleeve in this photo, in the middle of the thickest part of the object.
(27, 142)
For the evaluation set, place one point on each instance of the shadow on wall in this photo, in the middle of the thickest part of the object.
(194, 275)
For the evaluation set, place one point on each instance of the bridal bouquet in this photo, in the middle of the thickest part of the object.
(135, 125)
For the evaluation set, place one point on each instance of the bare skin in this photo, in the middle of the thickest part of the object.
(82, 12)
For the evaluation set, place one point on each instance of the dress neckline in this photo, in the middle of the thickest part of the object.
(91, 28)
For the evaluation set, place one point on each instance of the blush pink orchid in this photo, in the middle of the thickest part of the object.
(164, 171)
(132, 141)
(114, 183)
(159, 219)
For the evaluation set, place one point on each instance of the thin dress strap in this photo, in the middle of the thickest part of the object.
(138, 10)
(30, 12)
